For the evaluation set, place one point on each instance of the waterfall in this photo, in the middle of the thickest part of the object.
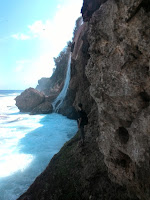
(59, 100)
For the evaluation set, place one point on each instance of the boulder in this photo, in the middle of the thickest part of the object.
(44, 108)
(29, 99)
(51, 98)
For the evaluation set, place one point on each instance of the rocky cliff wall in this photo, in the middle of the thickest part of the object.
(110, 76)
(53, 85)
(78, 90)
(118, 71)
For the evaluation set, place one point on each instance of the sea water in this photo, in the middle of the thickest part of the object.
(27, 143)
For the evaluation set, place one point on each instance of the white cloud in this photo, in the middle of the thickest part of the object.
(37, 29)
(19, 68)
(54, 33)
(52, 36)
(59, 6)
(20, 36)
(42, 67)
(21, 65)
(23, 61)
(30, 71)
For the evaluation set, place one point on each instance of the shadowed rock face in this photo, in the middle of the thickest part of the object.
(43, 108)
(118, 71)
(89, 7)
(77, 173)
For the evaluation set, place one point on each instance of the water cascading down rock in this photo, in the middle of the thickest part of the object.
(59, 100)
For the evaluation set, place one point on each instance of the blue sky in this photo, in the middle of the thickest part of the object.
(32, 32)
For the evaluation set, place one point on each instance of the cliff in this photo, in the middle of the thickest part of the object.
(118, 71)
(110, 77)
(53, 85)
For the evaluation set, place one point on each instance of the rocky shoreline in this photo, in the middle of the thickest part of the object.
(110, 77)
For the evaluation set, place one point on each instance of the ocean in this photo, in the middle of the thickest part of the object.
(27, 144)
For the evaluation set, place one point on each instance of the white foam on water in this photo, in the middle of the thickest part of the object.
(11, 163)
(27, 143)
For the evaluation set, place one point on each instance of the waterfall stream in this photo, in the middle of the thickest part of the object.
(59, 100)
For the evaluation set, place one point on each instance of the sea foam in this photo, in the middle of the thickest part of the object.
(27, 143)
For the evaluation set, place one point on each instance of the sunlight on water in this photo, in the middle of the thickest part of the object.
(14, 162)
(13, 127)
(6, 104)
(12, 131)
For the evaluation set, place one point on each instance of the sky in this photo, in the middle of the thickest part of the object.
(32, 32)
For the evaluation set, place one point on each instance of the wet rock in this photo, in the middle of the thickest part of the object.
(29, 99)
(44, 108)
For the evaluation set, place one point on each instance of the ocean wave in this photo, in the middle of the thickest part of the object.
(15, 120)
(3, 117)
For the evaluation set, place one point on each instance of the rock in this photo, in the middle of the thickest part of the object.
(44, 108)
(78, 91)
(89, 7)
(118, 71)
(54, 84)
(44, 85)
(69, 111)
(50, 98)
(29, 99)
(76, 173)
(110, 77)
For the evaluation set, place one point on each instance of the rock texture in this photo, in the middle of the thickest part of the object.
(110, 76)
(43, 108)
(118, 71)
(70, 176)
(34, 102)
(78, 90)
(89, 7)
(29, 99)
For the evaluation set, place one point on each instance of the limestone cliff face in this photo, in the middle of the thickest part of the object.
(118, 71)
(110, 76)
(78, 90)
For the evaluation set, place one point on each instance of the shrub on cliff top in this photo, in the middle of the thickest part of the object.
(61, 65)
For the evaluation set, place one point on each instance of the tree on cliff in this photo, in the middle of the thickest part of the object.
(49, 85)
(61, 65)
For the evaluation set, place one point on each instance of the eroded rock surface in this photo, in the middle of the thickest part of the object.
(43, 108)
(110, 77)
(89, 7)
(118, 70)
(29, 99)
